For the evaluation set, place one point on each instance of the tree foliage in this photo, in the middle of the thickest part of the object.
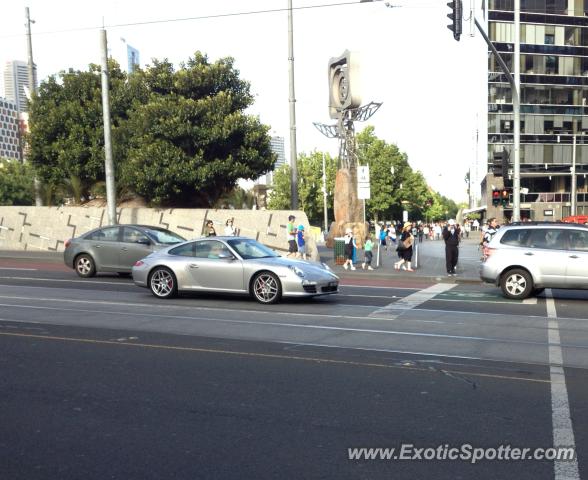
(180, 137)
(16, 183)
(310, 186)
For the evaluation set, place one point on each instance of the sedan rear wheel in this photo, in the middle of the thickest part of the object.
(267, 288)
(516, 284)
(162, 283)
(85, 266)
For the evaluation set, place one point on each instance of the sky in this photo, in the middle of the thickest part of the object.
(433, 88)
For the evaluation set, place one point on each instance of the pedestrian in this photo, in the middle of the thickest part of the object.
(369, 245)
(383, 237)
(392, 235)
(291, 236)
(467, 227)
(349, 247)
(301, 242)
(209, 230)
(488, 235)
(404, 249)
(451, 235)
(421, 233)
(230, 230)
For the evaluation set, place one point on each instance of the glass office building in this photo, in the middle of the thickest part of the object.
(554, 95)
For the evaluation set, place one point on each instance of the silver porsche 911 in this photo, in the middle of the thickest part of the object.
(232, 265)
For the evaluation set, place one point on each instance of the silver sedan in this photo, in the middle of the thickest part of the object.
(232, 265)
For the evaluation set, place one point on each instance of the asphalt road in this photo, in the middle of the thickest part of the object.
(102, 380)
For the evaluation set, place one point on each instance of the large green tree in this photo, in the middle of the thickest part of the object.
(394, 185)
(190, 139)
(66, 128)
(310, 186)
(16, 183)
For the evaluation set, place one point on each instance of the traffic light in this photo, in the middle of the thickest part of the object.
(495, 197)
(455, 16)
(498, 164)
(504, 197)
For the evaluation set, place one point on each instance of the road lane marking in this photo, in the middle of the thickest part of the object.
(267, 355)
(19, 269)
(393, 310)
(563, 431)
(288, 325)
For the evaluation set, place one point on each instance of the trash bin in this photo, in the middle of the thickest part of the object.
(339, 250)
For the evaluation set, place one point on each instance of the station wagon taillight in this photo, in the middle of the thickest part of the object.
(68, 242)
(138, 263)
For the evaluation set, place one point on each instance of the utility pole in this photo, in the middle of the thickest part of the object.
(32, 89)
(573, 199)
(292, 100)
(516, 181)
(108, 165)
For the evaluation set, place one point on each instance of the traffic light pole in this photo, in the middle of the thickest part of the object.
(514, 83)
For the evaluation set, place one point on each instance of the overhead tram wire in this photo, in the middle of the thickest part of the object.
(203, 17)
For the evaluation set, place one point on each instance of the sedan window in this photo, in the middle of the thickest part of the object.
(105, 235)
(163, 236)
(132, 235)
(249, 249)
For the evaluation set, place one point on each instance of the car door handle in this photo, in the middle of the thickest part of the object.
(98, 246)
(193, 265)
(124, 249)
(574, 256)
(530, 254)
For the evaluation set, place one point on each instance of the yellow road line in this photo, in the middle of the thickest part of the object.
(268, 355)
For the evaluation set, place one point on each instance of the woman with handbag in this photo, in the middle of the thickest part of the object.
(405, 249)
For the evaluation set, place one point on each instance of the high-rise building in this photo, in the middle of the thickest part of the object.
(277, 146)
(127, 56)
(16, 83)
(10, 147)
(554, 92)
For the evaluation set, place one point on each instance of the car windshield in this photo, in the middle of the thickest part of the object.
(163, 236)
(249, 249)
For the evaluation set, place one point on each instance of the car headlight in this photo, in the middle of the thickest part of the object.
(297, 271)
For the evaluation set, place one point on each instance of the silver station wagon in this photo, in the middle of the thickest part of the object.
(526, 258)
(115, 248)
(237, 265)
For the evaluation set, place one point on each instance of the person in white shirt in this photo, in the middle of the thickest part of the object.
(230, 230)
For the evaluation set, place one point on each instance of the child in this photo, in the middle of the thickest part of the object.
(369, 245)
(301, 242)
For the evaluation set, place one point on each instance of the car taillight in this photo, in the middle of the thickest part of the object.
(488, 251)
(138, 263)
(68, 242)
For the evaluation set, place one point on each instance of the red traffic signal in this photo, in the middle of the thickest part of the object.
(495, 197)
(504, 197)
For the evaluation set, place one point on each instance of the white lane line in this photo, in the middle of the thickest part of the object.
(19, 269)
(393, 310)
(563, 432)
(310, 326)
(51, 280)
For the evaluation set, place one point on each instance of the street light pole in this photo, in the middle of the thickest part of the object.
(108, 163)
(292, 100)
(32, 89)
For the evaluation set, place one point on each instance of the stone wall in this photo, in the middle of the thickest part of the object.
(47, 228)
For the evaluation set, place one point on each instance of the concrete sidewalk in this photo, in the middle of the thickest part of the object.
(430, 262)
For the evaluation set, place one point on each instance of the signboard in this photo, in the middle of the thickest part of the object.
(363, 182)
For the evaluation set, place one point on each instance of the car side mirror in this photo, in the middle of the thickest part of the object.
(226, 256)
(143, 242)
